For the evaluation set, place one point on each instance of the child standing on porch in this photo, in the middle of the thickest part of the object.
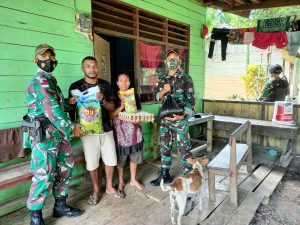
(128, 137)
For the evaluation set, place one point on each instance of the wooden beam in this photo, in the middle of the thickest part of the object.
(242, 2)
(256, 1)
(267, 4)
(245, 14)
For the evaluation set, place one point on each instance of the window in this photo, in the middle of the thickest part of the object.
(153, 34)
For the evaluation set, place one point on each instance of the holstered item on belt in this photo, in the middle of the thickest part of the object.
(34, 126)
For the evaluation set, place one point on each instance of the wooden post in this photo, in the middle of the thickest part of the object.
(209, 135)
(233, 173)
(211, 185)
(249, 143)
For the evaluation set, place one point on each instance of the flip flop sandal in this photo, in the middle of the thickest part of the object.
(121, 193)
(93, 201)
(140, 187)
(115, 194)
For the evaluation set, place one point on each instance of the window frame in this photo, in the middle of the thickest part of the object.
(126, 21)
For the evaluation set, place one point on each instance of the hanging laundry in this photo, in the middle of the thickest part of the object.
(248, 38)
(273, 25)
(236, 36)
(295, 25)
(264, 40)
(294, 42)
(219, 34)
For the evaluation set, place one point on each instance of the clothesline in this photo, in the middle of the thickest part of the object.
(278, 31)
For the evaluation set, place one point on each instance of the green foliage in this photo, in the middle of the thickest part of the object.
(236, 97)
(254, 81)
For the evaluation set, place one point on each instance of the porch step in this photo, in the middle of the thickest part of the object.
(15, 181)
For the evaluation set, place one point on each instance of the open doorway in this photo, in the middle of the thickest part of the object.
(114, 55)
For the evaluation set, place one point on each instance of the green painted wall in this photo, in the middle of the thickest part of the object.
(188, 12)
(28, 23)
(24, 25)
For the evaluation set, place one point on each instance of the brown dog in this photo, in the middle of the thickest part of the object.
(188, 185)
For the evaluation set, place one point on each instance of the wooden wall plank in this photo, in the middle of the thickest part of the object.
(43, 8)
(25, 25)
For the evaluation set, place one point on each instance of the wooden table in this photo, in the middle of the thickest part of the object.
(261, 127)
(192, 122)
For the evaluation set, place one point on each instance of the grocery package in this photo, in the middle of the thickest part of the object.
(130, 104)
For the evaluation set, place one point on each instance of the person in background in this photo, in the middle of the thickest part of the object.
(128, 137)
(277, 87)
(52, 157)
(97, 146)
(176, 128)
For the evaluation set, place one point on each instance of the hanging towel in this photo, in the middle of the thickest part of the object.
(273, 25)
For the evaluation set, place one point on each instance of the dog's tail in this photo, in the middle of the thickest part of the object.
(163, 187)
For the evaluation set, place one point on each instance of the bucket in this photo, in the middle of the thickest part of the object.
(283, 113)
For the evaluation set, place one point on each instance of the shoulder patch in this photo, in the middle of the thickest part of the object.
(44, 82)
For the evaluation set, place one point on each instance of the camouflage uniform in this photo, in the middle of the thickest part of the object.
(52, 159)
(275, 90)
(178, 131)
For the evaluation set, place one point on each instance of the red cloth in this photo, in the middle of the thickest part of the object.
(204, 31)
(263, 40)
(150, 55)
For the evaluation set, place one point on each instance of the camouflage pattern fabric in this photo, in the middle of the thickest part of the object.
(178, 132)
(275, 90)
(182, 90)
(52, 158)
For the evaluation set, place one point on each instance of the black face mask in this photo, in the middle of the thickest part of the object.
(47, 65)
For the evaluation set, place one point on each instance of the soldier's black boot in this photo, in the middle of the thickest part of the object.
(62, 209)
(37, 217)
(163, 174)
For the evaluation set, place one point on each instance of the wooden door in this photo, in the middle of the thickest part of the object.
(102, 54)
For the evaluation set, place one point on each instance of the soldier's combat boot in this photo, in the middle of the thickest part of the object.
(62, 209)
(37, 217)
(163, 174)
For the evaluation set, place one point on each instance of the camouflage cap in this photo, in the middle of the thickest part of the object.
(174, 50)
(40, 49)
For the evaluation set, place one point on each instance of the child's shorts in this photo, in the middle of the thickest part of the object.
(136, 157)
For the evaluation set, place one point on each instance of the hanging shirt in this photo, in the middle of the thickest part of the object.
(248, 38)
(294, 42)
(236, 36)
(264, 40)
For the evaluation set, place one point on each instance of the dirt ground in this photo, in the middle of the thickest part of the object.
(283, 206)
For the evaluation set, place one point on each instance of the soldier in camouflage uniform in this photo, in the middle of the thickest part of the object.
(175, 128)
(52, 159)
(276, 88)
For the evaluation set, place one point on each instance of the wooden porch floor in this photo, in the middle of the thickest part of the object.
(151, 205)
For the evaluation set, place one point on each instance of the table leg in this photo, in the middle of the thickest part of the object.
(284, 154)
(155, 141)
(209, 135)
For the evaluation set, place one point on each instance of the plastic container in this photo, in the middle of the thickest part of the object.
(283, 113)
